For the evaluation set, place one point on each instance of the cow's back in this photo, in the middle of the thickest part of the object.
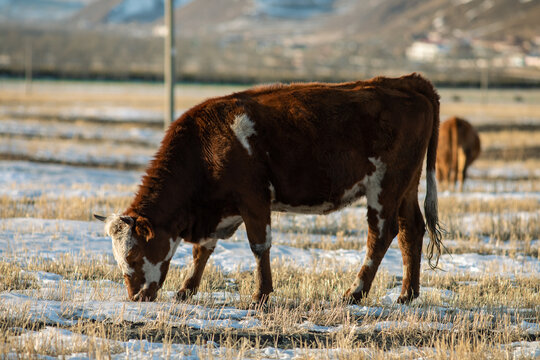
(316, 140)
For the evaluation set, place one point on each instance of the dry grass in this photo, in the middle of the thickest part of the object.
(509, 138)
(492, 111)
(481, 313)
(68, 208)
(52, 97)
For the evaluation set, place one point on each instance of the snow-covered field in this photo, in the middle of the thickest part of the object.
(61, 294)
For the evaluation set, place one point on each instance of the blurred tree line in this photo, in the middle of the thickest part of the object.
(102, 54)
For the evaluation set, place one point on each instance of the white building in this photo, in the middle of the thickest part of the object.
(425, 51)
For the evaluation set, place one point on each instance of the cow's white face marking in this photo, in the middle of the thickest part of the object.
(243, 128)
(373, 186)
(122, 241)
(151, 271)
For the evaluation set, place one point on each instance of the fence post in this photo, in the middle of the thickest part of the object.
(170, 53)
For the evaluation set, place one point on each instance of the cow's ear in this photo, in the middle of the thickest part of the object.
(144, 228)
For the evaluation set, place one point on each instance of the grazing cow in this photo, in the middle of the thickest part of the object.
(459, 146)
(303, 148)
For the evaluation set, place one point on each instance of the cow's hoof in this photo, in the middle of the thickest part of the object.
(260, 299)
(351, 298)
(184, 294)
(406, 298)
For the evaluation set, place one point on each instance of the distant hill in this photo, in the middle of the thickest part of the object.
(39, 10)
(289, 39)
(395, 22)
(392, 21)
(103, 12)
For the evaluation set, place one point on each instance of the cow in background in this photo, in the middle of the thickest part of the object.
(459, 146)
(303, 148)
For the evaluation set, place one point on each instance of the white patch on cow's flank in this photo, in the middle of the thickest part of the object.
(152, 273)
(243, 128)
(353, 193)
(122, 241)
(373, 184)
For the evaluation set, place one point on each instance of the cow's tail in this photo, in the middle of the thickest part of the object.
(435, 245)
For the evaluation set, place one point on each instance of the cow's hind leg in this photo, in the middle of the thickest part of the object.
(260, 240)
(201, 253)
(382, 221)
(382, 231)
(410, 237)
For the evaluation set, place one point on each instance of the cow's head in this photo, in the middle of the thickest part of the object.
(142, 254)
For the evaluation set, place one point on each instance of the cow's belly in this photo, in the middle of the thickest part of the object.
(308, 182)
(317, 205)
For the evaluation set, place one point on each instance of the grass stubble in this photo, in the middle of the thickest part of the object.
(473, 317)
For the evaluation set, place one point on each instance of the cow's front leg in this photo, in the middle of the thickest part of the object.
(201, 253)
(260, 241)
(382, 230)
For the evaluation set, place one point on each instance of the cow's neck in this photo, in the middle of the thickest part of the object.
(169, 186)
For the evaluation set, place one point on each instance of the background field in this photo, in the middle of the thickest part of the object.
(69, 149)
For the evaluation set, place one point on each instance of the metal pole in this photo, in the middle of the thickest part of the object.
(484, 81)
(169, 64)
(28, 68)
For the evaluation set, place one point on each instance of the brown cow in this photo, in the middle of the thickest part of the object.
(459, 146)
(304, 148)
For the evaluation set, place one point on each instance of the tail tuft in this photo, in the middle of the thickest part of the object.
(435, 246)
